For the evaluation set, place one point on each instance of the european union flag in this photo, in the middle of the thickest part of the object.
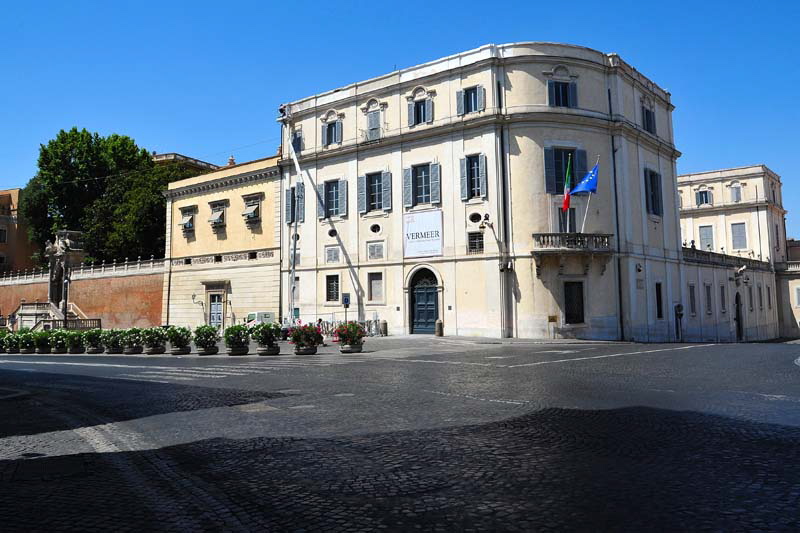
(588, 184)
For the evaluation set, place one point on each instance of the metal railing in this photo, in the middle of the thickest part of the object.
(583, 242)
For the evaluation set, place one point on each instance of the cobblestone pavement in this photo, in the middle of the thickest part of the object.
(417, 434)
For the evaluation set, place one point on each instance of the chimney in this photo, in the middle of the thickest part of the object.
(231, 161)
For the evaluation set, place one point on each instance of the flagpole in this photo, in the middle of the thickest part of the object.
(589, 201)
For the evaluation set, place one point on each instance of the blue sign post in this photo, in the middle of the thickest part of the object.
(345, 303)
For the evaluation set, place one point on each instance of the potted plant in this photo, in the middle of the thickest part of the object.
(237, 340)
(11, 343)
(93, 340)
(41, 340)
(266, 336)
(206, 339)
(27, 341)
(350, 336)
(3, 334)
(305, 339)
(180, 339)
(112, 340)
(58, 341)
(155, 340)
(132, 341)
(75, 342)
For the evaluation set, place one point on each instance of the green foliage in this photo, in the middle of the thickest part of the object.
(59, 339)
(11, 342)
(305, 336)
(132, 338)
(112, 339)
(154, 337)
(237, 336)
(93, 338)
(179, 337)
(265, 334)
(42, 339)
(108, 187)
(350, 333)
(74, 340)
(27, 340)
(206, 336)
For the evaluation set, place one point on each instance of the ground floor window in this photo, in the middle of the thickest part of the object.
(659, 302)
(573, 302)
(332, 288)
(375, 286)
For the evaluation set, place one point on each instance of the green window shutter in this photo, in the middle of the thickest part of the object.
(459, 103)
(362, 194)
(551, 93)
(300, 191)
(411, 113)
(462, 165)
(550, 170)
(481, 98)
(436, 187)
(429, 110)
(342, 198)
(386, 190)
(482, 174)
(408, 188)
(573, 94)
(320, 201)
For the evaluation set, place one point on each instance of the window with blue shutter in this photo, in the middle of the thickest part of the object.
(333, 198)
(386, 192)
(362, 194)
(649, 120)
(375, 191)
(460, 109)
(422, 184)
(482, 175)
(408, 188)
(707, 238)
(481, 98)
(321, 201)
(373, 125)
(471, 100)
(652, 187)
(429, 110)
(289, 205)
(412, 108)
(338, 128)
(436, 183)
(559, 93)
(464, 181)
(419, 112)
(341, 208)
(297, 141)
(550, 170)
(555, 166)
(474, 176)
(300, 199)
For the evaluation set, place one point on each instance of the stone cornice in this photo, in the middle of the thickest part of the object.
(225, 182)
(748, 205)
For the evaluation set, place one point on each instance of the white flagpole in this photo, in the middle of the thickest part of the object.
(589, 201)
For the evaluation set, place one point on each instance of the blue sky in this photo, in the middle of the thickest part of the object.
(205, 78)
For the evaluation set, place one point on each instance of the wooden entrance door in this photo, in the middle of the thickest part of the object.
(424, 302)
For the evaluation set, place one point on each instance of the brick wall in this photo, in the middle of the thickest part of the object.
(11, 294)
(120, 302)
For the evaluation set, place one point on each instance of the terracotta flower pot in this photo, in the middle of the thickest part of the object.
(211, 350)
(351, 348)
(180, 350)
(268, 350)
(305, 350)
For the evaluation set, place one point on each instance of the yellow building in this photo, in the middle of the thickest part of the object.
(222, 245)
(16, 250)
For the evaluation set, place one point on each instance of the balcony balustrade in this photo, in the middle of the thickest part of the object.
(562, 245)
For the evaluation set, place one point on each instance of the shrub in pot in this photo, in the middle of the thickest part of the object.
(27, 341)
(350, 336)
(180, 339)
(11, 343)
(75, 342)
(132, 341)
(3, 334)
(206, 339)
(42, 341)
(155, 340)
(305, 339)
(58, 341)
(93, 340)
(237, 340)
(266, 336)
(112, 340)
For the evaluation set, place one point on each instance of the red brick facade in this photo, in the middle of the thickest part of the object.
(10, 295)
(120, 302)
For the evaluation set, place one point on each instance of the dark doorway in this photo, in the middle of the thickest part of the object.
(738, 318)
(424, 302)
(573, 302)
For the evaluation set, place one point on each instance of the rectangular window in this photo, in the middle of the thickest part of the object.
(374, 191)
(736, 194)
(573, 302)
(331, 254)
(559, 93)
(777, 239)
(707, 238)
(659, 302)
(217, 218)
(722, 304)
(566, 220)
(374, 250)
(422, 184)
(331, 198)
(475, 242)
(692, 300)
(297, 141)
(470, 100)
(420, 116)
(750, 297)
(739, 236)
(3, 235)
(769, 297)
(218, 259)
(649, 120)
(330, 133)
(760, 298)
(474, 176)
(652, 185)
(332, 288)
(709, 298)
(375, 286)
(373, 125)
(563, 157)
(291, 207)
(703, 198)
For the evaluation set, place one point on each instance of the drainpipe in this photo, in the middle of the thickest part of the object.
(616, 220)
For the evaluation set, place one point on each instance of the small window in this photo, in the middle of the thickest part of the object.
(769, 297)
(332, 233)
(659, 302)
(375, 228)
(736, 193)
(420, 114)
(692, 300)
(470, 100)
(709, 298)
(374, 191)
(422, 184)
(217, 218)
(218, 259)
(186, 223)
(297, 141)
(559, 94)
(375, 286)
(474, 176)
(330, 133)
(652, 183)
(707, 238)
(251, 212)
(475, 242)
(739, 236)
(332, 254)
(332, 288)
(475, 218)
(374, 250)
(374, 125)
(187, 261)
(331, 198)
(252, 255)
(564, 157)
(703, 197)
(649, 120)
(722, 304)
(760, 298)
(750, 297)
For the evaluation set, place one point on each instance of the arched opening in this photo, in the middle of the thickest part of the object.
(423, 301)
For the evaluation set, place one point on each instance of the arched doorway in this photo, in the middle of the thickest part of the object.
(424, 301)
(738, 318)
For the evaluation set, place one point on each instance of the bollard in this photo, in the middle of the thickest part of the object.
(384, 328)
(438, 329)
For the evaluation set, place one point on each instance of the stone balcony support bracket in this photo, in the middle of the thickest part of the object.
(587, 246)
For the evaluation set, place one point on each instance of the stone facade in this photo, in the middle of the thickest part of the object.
(16, 250)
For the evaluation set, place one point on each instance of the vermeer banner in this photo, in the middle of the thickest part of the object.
(422, 234)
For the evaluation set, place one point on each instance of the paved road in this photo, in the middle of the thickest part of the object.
(418, 433)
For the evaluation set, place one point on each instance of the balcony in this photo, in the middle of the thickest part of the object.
(563, 245)
(791, 267)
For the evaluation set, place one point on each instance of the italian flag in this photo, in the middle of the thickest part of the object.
(567, 184)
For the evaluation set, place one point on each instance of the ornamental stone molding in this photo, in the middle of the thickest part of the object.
(226, 258)
(224, 183)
